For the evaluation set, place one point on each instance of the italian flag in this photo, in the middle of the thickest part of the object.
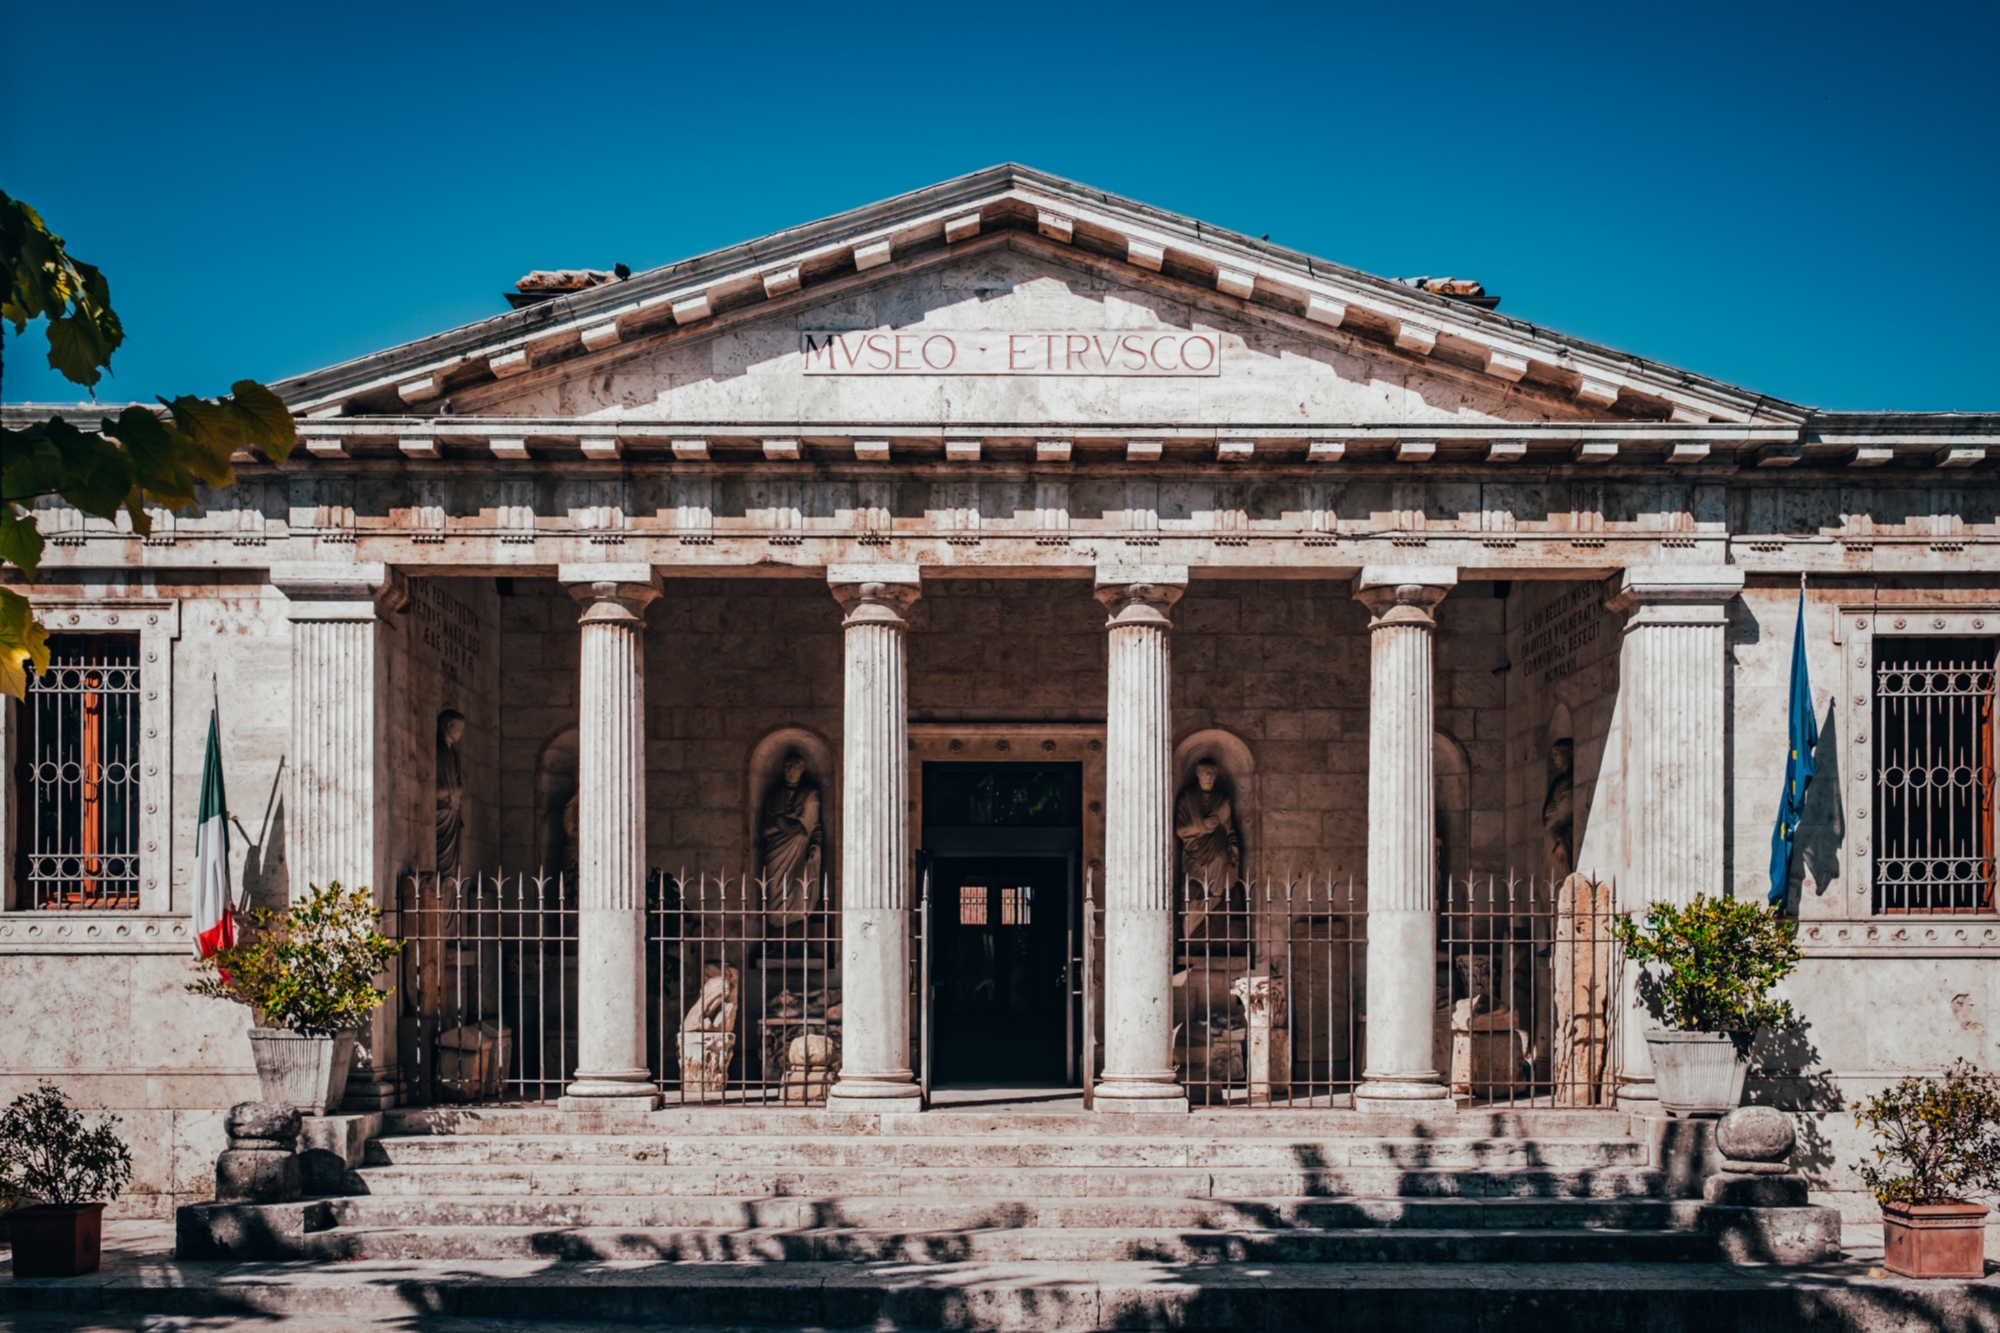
(214, 924)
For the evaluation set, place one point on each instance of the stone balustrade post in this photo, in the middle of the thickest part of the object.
(340, 781)
(1400, 1069)
(1668, 789)
(611, 1072)
(1139, 1072)
(875, 861)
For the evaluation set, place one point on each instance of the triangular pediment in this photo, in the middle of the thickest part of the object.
(1012, 298)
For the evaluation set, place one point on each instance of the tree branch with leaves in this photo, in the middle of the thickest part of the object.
(142, 457)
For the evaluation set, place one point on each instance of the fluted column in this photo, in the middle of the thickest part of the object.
(611, 1069)
(340, 781)
(1139, 1073)
(875, 1073)
(1668, 789)
(1400, 1072)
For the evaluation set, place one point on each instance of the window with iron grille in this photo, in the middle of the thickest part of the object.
(1933, 775)
(79, 777)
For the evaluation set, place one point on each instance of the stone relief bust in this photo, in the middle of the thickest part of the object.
(1211, 843)
(450, 794)
(791, 839)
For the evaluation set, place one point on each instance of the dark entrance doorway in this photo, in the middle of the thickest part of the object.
(1002, 843)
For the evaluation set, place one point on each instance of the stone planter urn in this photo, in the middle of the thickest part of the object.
(57, 1239)
(1934, 1239)
(307, 1072)
(1699, 1073)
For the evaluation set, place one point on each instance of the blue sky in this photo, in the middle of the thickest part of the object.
(1797, 199)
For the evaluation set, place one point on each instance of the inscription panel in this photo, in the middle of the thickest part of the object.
(1114, 353)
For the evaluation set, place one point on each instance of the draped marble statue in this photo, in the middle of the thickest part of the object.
(450, 794)
(1559, 811)
(1211, 845)
(708, 1034)
(791, 841)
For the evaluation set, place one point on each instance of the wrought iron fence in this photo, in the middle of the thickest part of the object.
(745, 975)
(487, 987)
(1270, 992)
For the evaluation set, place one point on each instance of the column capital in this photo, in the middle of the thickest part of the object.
(315, 591)
(611, 593)
(875, 594)
(1403, 594)
(1675, 594)
(1140, 594)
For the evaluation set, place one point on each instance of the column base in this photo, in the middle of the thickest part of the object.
(364, 1095)
(610, 1090)
(1139, 1096)
(1139, 1105)
(1401, 1098)
(597, 1104)
(875, 1096)
(1640, 1096)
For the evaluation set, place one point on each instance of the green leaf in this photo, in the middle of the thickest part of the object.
(24, 644)
(265, 420)
(20, 539)
(76, 350)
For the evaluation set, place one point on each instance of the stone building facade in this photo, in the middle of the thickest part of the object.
(1006, 472)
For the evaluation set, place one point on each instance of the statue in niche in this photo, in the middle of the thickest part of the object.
(571, 815)
(1559, 811)
(450, 794)
(790, 840)
(1211, 846)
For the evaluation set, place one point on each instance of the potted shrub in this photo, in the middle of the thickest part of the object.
(71, 1170)
(1716, 961)
(1937, 1141)
(308, 974)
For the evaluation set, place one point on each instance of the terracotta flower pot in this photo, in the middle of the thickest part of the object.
(1934, 1239)
(57, 1239)
(1699, 1073)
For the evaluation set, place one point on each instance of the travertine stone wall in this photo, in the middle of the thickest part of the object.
(1562, 647)
(1281, 664)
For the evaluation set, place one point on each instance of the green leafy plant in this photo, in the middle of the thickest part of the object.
(141, 457)
(50, 1154)
(1718, 961)
(310, 967)
(1937, 1140)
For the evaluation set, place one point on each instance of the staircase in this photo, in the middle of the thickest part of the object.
(955, 1187)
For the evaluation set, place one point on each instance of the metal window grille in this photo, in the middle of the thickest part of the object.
(1270, 992)
(487, 987)
(81, 785)
(1933, 776)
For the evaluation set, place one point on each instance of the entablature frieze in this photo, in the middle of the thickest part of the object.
(1409, 448)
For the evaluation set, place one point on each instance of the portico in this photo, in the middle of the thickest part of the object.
(1011, 614)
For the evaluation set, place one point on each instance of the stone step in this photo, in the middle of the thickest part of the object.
(1372, 1245)
(936, 1214)
(1088, 1152)
(1047, 1298)
(1529, 1122)
(546, 1180)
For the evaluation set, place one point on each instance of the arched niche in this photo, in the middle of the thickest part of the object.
(555, 783)
(1452, 779)
(766, 768)
(1238, 773)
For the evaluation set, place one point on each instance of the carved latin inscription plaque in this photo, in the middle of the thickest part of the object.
(1131, 354)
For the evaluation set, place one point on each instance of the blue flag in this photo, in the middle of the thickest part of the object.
(1798, 765)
